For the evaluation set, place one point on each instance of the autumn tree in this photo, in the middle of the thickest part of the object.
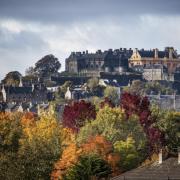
(135, 104)
(113, 125)
(40, 146)
(69, 157)
(10, 134)
(10, 131)
(75, 114)
(72, 154)
(106, 102)
(102, 147)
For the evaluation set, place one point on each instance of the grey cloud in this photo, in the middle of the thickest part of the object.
(21, 41)
(20, 50)
(71, 10)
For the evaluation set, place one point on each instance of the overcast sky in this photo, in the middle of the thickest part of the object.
(31, 29)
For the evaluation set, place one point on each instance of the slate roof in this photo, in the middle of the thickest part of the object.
(101, 55)
(151, 53)
(83, 56)
(168, 170)
(18, 90)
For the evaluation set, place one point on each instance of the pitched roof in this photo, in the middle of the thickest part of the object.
(151, 53)
(100, 54)
(169, 169)
(18, 90)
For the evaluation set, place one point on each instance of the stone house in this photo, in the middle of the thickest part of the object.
(168, 58)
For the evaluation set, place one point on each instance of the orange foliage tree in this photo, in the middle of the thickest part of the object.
(28, 119)
(96, 145)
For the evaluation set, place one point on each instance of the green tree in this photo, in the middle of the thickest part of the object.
(46, 66)
(88, 166)
(153, 87)
(112, 94)
(30, 71)
(113, 125)
(169, 123)
(94, 87)
(60, 94)
(137, 86)
(130, 157)
(12, 78)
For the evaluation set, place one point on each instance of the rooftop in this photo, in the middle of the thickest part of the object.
(168, 170)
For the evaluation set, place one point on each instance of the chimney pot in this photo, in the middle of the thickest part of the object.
(171, 53)
(156, 53)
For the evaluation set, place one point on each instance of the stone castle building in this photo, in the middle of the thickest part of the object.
(101, 61)
(168, 58)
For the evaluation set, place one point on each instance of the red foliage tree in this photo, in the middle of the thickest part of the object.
(75, 115)
(135, 104)
(107, 102)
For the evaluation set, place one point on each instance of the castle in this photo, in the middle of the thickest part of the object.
(120, 60)
(101, 61)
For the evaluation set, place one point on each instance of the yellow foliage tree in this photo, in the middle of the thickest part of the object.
(40, 146)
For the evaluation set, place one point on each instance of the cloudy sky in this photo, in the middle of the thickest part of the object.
(32, 29)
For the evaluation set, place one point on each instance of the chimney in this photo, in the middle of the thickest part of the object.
(170, 53)
(156, 53)
(160, 157)
(136, 50)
